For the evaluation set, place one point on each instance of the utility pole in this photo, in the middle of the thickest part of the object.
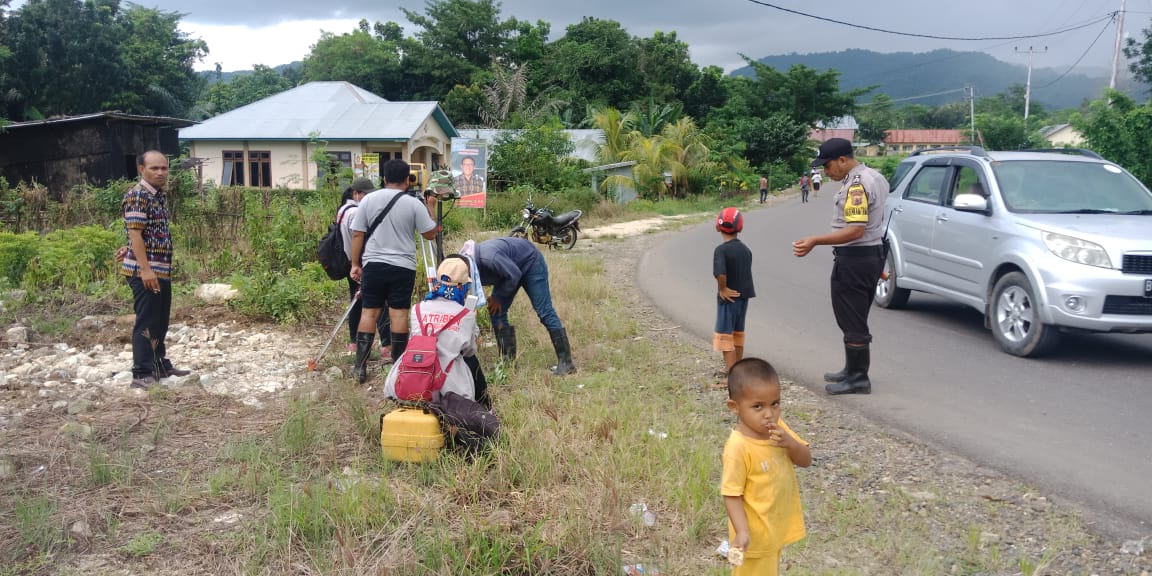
(970, 93)
(1117, 48)
(1028, 86)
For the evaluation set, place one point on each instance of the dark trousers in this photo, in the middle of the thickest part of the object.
(479, 381)
(854, 275)
(803, 195)
(383, 323)
(763, 195)
(149, 355)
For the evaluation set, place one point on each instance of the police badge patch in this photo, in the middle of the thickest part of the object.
(856, 205)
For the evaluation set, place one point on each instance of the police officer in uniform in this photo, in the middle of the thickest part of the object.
(857, 236)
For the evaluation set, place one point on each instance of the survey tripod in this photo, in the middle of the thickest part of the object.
(440, 186)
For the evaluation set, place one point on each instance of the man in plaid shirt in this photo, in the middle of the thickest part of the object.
(148, 265)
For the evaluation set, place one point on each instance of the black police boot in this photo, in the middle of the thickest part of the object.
(364, 342)
(563, 352)
(506, 341)
(841, 374)
(859, 360)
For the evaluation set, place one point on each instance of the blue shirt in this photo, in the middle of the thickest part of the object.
(503, 262)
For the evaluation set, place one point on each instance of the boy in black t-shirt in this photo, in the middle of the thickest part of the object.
(732, 267)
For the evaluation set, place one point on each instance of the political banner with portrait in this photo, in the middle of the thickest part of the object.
(470, 171)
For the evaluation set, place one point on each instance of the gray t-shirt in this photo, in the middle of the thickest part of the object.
(394, 241)
(860, 202)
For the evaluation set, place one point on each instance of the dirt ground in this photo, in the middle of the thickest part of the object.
(178, 430)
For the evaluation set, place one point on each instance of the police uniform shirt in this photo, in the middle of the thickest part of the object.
(860, 201)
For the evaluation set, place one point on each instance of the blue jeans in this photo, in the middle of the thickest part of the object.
(535, 284)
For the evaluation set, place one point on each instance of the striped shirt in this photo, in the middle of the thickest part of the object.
(146, 209)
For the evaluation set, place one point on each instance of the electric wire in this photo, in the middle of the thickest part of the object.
(1109, 16)
(1078, 60)
(906, 98)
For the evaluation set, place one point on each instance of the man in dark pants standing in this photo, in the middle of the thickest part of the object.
(857, 237)
(147, 262)
(508, 264)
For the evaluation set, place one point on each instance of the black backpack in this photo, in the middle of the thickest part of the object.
(331, 251)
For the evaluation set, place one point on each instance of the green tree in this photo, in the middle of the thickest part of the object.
(807, 96)
(1120, 131)
(688, 157)
(245, 89)
(536, 156)
(1006, 133)
(876, 118)
(707, 92)
(666, 69)
(617, 127)
(462, 105)
(1139, 52)
(368, 59)
(594, 63)
(159, 58)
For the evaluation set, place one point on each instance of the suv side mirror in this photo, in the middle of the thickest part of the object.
(970, 203)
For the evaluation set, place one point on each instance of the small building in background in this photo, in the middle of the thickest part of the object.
(273, 142)
(1062, 136)
(909, 141)
(91, 149)
(585, 141)
(614, 181)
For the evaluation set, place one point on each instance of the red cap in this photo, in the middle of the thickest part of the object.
(730, 221)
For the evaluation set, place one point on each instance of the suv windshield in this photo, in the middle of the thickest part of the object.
(1056, 187)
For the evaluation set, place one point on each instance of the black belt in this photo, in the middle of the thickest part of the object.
(871, 250)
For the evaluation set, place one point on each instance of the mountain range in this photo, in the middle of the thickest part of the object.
(912, 74)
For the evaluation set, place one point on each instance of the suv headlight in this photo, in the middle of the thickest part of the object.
(1077, 250)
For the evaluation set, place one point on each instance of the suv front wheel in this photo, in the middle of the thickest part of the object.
(1015, 318)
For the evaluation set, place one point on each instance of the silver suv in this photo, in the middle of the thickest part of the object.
(1041, 242)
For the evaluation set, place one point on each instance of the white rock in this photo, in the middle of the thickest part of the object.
(59, 405)
(207, 380)
(124, 356)
(216, 293)
(81, 529)
(124, 377)
(333, 373)
(16, 335)
(1133, 547)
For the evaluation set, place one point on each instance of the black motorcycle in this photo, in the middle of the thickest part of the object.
(547, 228)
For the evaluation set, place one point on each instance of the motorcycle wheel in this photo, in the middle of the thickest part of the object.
(518, 232)
(568, 239)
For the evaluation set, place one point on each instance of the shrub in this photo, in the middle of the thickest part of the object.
(16, 252)
(286, 297)
(72, 260)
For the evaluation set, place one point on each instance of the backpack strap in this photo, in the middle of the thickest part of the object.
(383, 213)
(342, 212)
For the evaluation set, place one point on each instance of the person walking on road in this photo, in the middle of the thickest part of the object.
(384, 232)
(804, 181)
(763, 189)
(147, 263)
(509, 264)
(360, 188)
(817, 178)
(857, 236)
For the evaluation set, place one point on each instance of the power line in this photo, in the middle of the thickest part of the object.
(934, 37)
(1077, 62)
(906, 98)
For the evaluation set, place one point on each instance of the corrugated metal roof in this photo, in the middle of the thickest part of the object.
(925, 137)
(585, 140)
(328, 110)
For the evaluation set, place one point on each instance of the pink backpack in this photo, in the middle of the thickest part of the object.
(418, 373)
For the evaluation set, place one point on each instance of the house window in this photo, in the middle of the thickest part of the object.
(337, 169)
(233, 168)
(260, 169)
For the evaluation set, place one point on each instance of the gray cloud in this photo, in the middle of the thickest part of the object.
(719, 30)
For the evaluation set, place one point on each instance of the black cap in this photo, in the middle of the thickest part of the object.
(832, 149)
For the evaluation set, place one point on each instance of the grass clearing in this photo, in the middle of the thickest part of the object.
(300, 486)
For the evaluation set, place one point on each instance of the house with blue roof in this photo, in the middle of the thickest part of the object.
(273, 142)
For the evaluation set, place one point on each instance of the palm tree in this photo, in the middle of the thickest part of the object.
(617, 129)
(688, 156)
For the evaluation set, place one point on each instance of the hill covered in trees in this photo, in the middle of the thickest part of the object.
(906, 74)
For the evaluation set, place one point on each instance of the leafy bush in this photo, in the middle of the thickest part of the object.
(16, 252)
(286, 297)
(74, 260)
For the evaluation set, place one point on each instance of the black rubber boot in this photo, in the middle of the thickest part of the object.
(399, 345)
(858, 360)
(364, 342)
(506, 341)
(841, 374)
(563, 352)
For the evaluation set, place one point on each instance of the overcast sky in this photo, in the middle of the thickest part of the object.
(242, 33)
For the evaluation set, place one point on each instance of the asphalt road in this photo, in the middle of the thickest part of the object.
(1077, 424)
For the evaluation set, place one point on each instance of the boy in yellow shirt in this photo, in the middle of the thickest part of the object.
(758, 483)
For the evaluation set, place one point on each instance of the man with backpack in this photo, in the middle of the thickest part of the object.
(384, 258)
(360, 188)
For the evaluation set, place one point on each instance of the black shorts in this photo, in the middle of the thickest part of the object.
(387, 285)
(816, 186)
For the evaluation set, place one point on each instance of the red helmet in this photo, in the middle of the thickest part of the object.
(730, 221)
